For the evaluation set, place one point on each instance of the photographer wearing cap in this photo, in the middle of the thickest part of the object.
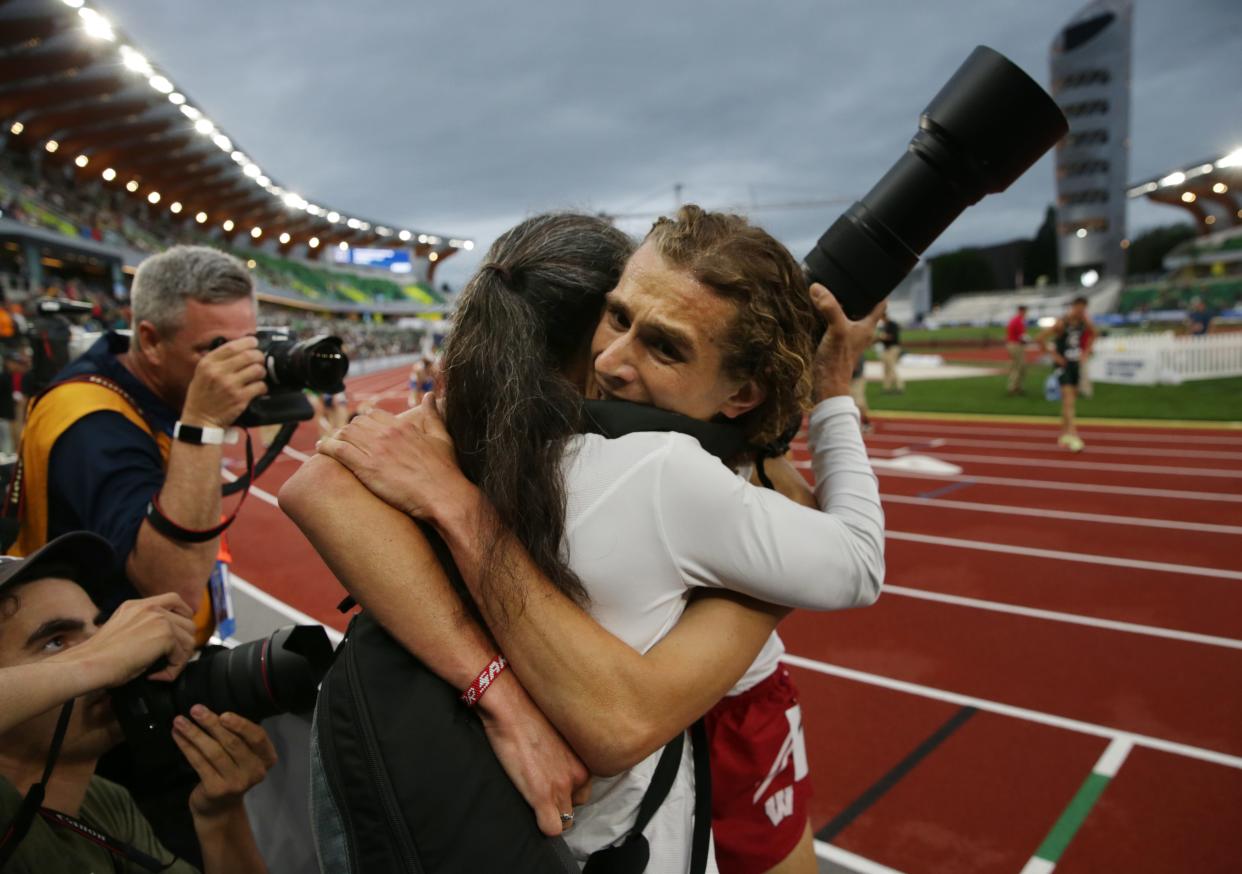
(127, 441)
(56, 662)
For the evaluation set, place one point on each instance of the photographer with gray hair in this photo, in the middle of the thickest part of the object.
(127, 440)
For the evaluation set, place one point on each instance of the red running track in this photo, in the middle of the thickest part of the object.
(985, 798)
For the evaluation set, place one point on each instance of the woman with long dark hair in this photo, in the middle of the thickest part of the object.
(515, 368)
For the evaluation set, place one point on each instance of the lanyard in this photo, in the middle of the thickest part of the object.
(117, 848)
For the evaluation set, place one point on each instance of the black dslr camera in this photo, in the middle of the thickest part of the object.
(318, 363)
(987, 126)
(278, 674)
(49, 336)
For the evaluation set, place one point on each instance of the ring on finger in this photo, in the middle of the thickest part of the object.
(567, 820)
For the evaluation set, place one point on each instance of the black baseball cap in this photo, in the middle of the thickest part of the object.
(88, 555)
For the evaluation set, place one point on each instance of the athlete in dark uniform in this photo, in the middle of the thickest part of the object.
(1070, 332)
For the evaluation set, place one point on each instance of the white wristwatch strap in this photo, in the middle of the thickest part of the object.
(195, 434)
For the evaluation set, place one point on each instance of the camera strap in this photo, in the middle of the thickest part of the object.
(17, 829)
(173, 531)
(117, 848)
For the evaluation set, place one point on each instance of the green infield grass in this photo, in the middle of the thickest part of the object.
(1209, 400)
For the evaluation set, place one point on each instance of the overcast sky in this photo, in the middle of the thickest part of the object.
(462, 118)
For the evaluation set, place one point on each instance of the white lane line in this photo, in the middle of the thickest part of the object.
(296, 455)
(1173, 524)
(1060, 555)
(1086, 430)
(1051, 446)
(1140, 491)
(274, 603)
(852, 861)
(1113, 758)
(1069, 618)
(267, 497)
(1088, 466)
(1036, 865)
(1023, 713)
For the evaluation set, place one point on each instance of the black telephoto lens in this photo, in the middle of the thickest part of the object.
(318, 363)
(987, 126)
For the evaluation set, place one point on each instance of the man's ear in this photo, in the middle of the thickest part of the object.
(147, 338)
(745, 398)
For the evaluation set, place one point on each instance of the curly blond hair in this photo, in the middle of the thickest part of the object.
(770, 340)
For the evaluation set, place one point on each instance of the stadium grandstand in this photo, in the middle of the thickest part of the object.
(104, 160)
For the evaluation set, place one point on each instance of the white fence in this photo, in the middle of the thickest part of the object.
(1147, 359)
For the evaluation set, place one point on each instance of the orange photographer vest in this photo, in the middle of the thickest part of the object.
(50, 415)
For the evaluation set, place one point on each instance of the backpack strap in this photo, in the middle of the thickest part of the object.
(702, 799)
(632, 854)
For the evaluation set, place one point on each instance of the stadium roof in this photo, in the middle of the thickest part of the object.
(1208, 189)
(73, 85)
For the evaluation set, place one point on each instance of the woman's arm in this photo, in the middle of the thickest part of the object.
(612, 704)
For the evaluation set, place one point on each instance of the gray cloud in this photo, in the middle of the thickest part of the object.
(463, 118)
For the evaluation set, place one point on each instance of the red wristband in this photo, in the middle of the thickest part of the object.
(484, 681)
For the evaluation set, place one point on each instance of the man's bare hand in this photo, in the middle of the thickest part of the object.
(541, 765)
(225, 381)
(230, 754)
(407, 461)
(843, 344)
(138, 634)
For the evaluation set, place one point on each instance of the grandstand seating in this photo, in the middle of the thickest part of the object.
(997, 307)
(1177, 294)
(322, 284)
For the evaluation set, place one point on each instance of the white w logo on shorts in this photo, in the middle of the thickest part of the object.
(794, 748)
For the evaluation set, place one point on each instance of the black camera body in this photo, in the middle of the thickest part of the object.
(279, 674)
(318, 363)
(49, 336)
(985, 128)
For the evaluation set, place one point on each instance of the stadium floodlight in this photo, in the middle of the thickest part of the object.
(352, 223)
(433, 240)
(314, 210)
(95, 24)
(222, 142)
(294, 201)
(1233, 159)
(161, 84)
(153, 197)
(1220, 188)
(313, 242)
(422, 238)
(1173, 179)
(16, 128)
(175, 207)
(108, 174)
(262, 181)
(228, 225)
(404, 236)
(73, 4)
(239, 157)
(334, 216)
(433, 256)
(343, 246)
(131, 186)
(190, 112)
(1089, 278)
(201, 217)
(252, 170)
(81, 160)
(1080, 233)
(176, 98)
(468, 245)
(364, 226)
(383, 231)
(204, 126)
(285, 238)
(256, 232)
(136, 61)
(1209, 219)
(51, 146)
(1188, 197)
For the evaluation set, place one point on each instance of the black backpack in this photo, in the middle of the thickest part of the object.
(411, 776)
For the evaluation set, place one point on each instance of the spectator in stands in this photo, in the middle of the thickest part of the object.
(128, 442)
(1015, 343)
(55, 649)
(1068, 335)
(657, 344)
(1199, 318)
(890, 354)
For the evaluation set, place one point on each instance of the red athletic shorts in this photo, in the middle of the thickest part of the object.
(760, 782)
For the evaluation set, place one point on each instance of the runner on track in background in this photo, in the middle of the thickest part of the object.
(1070, 342)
